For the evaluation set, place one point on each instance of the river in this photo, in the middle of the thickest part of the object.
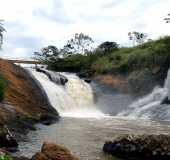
(93, 113)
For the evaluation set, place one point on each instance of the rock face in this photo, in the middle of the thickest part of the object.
(53, 152)
(150, 147)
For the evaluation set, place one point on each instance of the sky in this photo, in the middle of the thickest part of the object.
(33, 24)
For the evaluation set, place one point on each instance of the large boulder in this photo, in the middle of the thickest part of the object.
(150, 147)
(51, 151)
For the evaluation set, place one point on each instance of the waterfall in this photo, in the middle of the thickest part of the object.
(151, 105)
(74, 99)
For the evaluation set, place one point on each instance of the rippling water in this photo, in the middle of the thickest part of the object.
(85, 137)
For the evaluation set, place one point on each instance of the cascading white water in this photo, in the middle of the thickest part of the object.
(75, 99)
(149, 106)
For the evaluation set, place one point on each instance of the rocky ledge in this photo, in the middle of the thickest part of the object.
(148, 147)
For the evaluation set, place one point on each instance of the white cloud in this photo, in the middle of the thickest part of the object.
(32, 24)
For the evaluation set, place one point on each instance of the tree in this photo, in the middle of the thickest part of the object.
(167, 19)
(108, 47)
(48, 53)
(80, 43)
(137, 37)
(2, 29)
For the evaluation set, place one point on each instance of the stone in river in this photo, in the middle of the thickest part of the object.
(51, 151)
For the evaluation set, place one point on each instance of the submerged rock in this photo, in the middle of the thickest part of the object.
(150, 147)
(51, 151)
(7, 140)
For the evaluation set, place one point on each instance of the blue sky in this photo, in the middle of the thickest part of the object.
(32, 24)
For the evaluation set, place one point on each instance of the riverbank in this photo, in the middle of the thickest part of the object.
(24, 104)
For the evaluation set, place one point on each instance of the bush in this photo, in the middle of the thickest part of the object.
(102, 65)
(5, 157)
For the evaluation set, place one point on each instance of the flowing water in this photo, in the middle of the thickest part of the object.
(93, 113)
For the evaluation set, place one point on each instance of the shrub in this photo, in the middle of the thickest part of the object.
(5, 157)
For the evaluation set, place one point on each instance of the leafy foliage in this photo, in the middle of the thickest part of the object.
(137, 37)
(79, 44)
(2, 29)
(49, 53)
(108, 47)
(5, 157)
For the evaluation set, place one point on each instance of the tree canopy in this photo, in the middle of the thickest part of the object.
(2, 29)
(108, 47)
(80, 43)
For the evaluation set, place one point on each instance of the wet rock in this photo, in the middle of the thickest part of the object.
(48, 119)
(150, 147)
(53, 152)
(20, 158)
(166, 101)
(63, 80)
(7, 140)
(87, 80)
(54, 76)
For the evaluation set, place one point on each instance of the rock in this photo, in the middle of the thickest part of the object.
(51, 151)
(87, 80)
(54, 76)
(63, 79)
(39, 156)
(165, 101)
(150, 147)
(7, 140)
(48, 119)
(20, 158)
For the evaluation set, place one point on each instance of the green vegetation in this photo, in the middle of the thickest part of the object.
(2, 29)
(145, 63)
(5, 157)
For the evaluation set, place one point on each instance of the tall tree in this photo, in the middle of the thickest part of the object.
(137, 37)
(80, 43)
(48, 53)
(2, 29)
(108, 47)
(167, 19)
